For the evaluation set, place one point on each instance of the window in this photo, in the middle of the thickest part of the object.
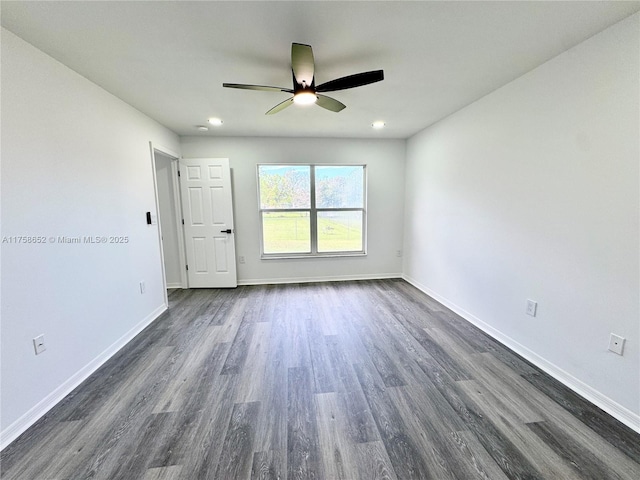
(312, 210)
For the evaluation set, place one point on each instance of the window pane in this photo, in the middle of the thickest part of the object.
(284, 186)
(339, 187)
(340, 231)
(286, 232)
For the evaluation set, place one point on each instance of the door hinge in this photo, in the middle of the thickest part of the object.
(187, 266)
(183, 221)
(178, 172)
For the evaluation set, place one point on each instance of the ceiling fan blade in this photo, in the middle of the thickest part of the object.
(281, 106)
(330, 103)
(257, 87)
(351, 81)
(302, 63)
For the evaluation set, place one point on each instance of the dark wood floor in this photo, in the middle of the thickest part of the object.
(357, 380)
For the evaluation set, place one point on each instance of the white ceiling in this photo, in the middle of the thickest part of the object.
(169, 59)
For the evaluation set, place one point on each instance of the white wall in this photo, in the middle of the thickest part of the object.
(532, 192)
(168, 220)
(75, 162)
(385, 170)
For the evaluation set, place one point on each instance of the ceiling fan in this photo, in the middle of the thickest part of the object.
(304, 88)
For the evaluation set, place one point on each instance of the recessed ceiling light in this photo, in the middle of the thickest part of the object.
(378, 125)
(215, 121)
(202, 128)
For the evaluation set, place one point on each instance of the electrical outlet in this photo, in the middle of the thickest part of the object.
(241, 259)
(531, 308)
(398, 253)
(38, 344)
(143, 287)
(616, 343)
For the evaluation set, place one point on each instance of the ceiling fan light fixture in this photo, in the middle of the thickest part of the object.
(305, 97)
(304, 86)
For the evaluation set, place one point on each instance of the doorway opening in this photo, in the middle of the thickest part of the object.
(169, 213)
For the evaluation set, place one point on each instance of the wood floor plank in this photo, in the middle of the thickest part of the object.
(441, 317)
(428, 439)
(360, 423)
(152, 437)
(361, 380)
(618, 435)
(86, 450)
(255, 295)
(483, 466)
(586, 467)
(237, 450)
(387, 365)
(296, 320)
(326, 312)
(231, 298)
(55, 439)
(251, 379)
(268, 466)
(273, 304)
(407, 460)
(373, 462)
(179, 386)
(415, 327)
(571, 427)
(503, 452)
(201, 407)
(303, 451)
(504, 391)
(239, 348)
(188, 314)
(231, 321)
(163, 473)
(337, 449)
(320, 360)
(400, 346)
(98, 387)
(484, 343)
(123, 418)
(198, 451)
(546, 461)
(271, 432)
(425, 410)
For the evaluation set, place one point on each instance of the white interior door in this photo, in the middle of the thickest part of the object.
(205, 185)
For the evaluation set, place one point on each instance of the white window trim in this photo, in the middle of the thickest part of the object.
(313, 214)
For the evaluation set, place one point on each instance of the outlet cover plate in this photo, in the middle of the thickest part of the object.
(616, 343)
(531, 308)
(38, 344)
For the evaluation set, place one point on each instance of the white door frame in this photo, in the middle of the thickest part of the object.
(175, 157)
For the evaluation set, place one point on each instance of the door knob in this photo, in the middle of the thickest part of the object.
(228, 230)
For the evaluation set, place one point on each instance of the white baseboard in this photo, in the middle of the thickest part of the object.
(619, 412)
(174, 285)
(14, 430)
(339, 278)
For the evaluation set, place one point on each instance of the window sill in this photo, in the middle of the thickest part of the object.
(308, 255)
